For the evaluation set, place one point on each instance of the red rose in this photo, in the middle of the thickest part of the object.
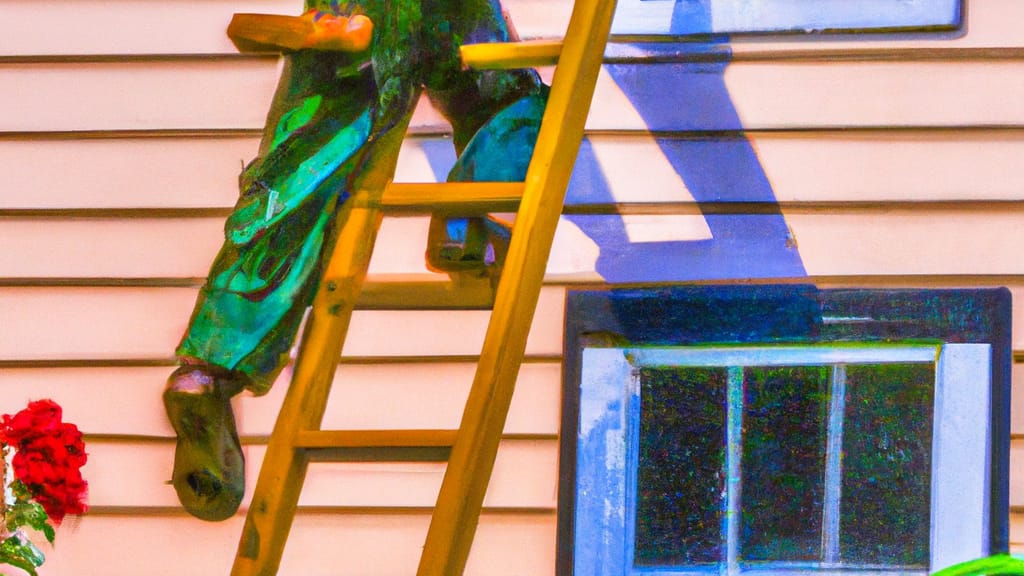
(47, 459)
(41, 417)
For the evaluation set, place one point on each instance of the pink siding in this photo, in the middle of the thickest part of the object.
(96, 286)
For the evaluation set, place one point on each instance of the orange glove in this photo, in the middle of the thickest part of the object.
(342, 33)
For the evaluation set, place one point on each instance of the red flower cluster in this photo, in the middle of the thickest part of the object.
(48, 458)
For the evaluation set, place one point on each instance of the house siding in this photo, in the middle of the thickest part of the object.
(894, 162)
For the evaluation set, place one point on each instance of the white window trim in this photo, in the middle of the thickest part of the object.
(960, 453)
(655, 17)
(960, 501)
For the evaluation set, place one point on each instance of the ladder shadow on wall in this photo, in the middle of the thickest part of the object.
(714, 161)
(699, 140)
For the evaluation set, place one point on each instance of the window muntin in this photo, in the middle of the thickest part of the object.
(638, 547)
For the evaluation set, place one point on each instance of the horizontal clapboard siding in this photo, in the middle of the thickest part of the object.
(366, 545)
(180, 171)
(895, 161)
(229, 93)
(123, 474)
(196, 27)
(157, 172)
(110, 323)
(880, 241)
(124, 401)
(433, 396)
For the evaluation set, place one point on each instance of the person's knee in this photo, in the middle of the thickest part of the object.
(501, 150)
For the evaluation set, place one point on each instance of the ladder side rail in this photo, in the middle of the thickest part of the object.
(467, 476)
(283, 472)
(347, 258)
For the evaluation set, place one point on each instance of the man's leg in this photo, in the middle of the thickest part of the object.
(495, 115)
(500, 151)
(253, 302)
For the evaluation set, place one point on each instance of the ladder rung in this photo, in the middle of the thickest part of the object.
(268, 32)
(504, 55)
(374, 438)
(381, 454)
(464, 197)
(377, 445)
(464, 294)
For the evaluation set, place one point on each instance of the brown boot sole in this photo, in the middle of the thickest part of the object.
(209, 468)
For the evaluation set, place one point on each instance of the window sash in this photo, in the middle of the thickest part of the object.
(823, 355)
(685, 17)
(961, 453)
(610, 394)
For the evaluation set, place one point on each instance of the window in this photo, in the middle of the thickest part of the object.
(782, 444)
(685, 17)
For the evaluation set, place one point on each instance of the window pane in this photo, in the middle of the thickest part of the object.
(785, 418)
(884, 514)
(680, 481)
(682, 17)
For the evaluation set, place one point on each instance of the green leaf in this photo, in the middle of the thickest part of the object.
(995, 564)
(20, 553)
(27, 512)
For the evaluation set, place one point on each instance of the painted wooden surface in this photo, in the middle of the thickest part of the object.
(905, 241)
(725, 17)
(235, 94)
(110, 323)
(894, 161)
(100, 396)
(136, 27)
(136, 475)
(101, 323)
(181, 171)
(374, 545)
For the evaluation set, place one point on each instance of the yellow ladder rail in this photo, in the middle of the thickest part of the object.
(453, 524)
(471, 450)
(276, 496)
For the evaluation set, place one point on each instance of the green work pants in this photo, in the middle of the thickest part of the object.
(335, 125)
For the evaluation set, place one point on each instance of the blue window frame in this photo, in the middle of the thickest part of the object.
(697, 17)
(783, 430)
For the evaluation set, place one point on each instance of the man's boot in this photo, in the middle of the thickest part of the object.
(209, 469)
(472, 247)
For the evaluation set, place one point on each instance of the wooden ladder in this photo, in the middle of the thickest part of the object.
(297, 437)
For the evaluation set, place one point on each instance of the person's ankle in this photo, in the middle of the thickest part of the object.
(197, 377)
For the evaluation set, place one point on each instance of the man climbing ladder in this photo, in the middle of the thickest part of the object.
(495, 116)
(335, 126)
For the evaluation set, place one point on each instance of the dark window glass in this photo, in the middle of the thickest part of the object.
(884, 511)
(886, 465)
(680, 481)
(785, 420)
